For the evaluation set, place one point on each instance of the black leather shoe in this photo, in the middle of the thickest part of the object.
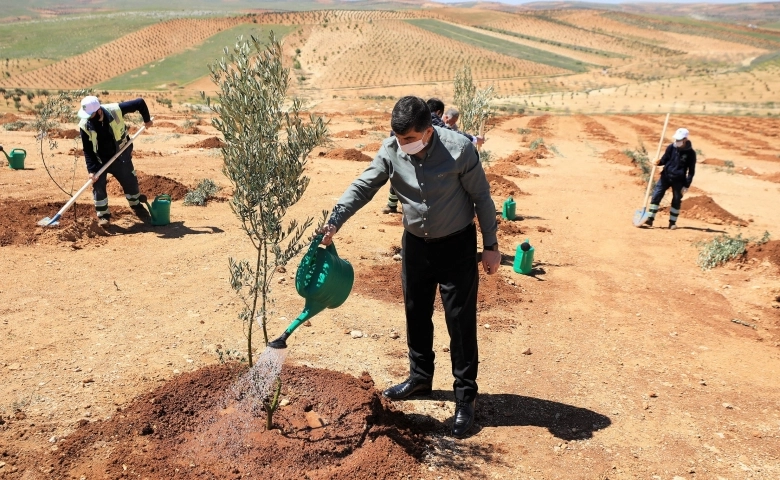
(464, 417)
(408, 388)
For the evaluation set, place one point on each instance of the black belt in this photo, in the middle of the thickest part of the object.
(446, 237)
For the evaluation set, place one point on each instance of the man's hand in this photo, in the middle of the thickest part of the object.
(93, 177)
(658, 162)
(149, 123)
(684, 191)
(490, 261)
(480, 139)
(328, 231)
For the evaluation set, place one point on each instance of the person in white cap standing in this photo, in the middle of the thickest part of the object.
(679, 162)
(103, 133)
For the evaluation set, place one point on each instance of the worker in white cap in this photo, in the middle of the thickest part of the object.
(679, 166)
(103, 133)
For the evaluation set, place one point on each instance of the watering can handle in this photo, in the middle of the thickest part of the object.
(318, 240)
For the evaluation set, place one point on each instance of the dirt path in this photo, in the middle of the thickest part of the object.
(635, 369)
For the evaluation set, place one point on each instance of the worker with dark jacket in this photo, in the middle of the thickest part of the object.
(679, 162)
(103, 134)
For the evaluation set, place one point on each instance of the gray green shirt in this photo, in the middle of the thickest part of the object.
(440, 193)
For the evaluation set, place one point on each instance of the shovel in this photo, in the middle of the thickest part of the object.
(48, 222)
(641, 214)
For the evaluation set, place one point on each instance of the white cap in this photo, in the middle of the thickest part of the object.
(681, 133)
(89, 105)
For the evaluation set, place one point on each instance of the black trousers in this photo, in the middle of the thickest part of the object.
(123, 170)
(450, 264)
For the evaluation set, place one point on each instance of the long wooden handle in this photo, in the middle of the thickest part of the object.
(100, 172)
(655, 159)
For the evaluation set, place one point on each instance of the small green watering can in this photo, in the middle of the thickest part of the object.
(324, 280)
(508, 209)
(16, 158)
(524, 258)
(160, 209)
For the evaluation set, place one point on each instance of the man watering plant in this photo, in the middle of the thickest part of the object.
(103, 133)
(438, 178)
(679, 161)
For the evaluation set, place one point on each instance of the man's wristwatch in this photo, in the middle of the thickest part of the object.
(493, 247)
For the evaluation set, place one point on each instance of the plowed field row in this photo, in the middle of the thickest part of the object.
(729, 132)
(381, 55)
(596, 130)
(123, 54)
(593, 20)
(538, 27)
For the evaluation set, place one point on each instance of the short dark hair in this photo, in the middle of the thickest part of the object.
(435, 105)
(410, 113)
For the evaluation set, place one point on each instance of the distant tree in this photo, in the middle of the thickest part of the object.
(473, 104)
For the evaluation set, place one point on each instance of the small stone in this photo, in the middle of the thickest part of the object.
(88, 380)
(645, 406)
(652, 395)
(702, 383)
(282, 280)
(394, 335)
(15, 366)
(346, 331)
(673, 334)
(363, 227)
(527, 351)
(284, 402)
(176, 372)
(382, 230)
(307, 323)
(487, 325)
(356, 334)
(445, 349)
(53, 440)
(728, 406)
(281, 269)
(397, 257)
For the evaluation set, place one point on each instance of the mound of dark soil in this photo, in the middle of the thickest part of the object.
(211, 142)
(616, 156)
(529, 158)
(68, 134)
(501, 187)
(509, 169)
(334, 427)
(770, 251)
(188, 130)
(346, 154)
(372, 147)
(771, 177)
(8, 118)
(704, 208)
(150, 185)
(350, 134)
(165, 125)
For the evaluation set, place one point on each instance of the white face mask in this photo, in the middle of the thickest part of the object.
(679, 143)
(412, 148)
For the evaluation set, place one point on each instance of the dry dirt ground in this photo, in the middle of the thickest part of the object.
(617, 358)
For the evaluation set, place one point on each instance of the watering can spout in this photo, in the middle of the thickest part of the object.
(311, 309)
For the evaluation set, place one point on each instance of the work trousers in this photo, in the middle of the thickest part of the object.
(450, 264)
(123, 170)
(659, 191)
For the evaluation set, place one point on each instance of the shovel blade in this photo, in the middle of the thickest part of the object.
(49, 222)
(640, 215)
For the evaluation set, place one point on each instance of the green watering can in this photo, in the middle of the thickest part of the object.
(16, 158)
(508, 209)
(160, 209)
(324, 280)
(524, 258)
